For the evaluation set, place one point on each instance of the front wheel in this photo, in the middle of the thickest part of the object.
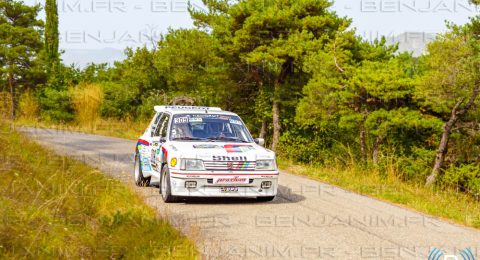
(165, 188)
(138, 174)
(265, 199)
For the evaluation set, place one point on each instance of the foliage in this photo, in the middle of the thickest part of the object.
(20, 47)
(52, 39)
(192, 68)
(271, 38)
(119, 100)
(450, 85)
(56, 106)
(465, 177)
(450, 70)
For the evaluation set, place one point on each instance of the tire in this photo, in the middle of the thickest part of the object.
(165, 188)
(265, 199)
(138, 174)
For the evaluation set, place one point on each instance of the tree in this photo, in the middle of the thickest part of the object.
(20, 45)
(359, 85)
(189, 63)
(451, 83)
(51, 38)
(271, 37)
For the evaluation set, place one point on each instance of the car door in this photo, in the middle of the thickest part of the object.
(158, 139)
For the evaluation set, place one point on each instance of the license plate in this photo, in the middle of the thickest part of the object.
(229, 189)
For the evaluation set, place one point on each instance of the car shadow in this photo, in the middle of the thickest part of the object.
(285, 195)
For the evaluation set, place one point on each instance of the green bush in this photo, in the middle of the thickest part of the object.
(314, 146)
(149, 100)
(465, 177)
(119, 100)
(417, 165)
(56, 105)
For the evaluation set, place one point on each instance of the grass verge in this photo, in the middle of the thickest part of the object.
(444, 203)
(55, 207)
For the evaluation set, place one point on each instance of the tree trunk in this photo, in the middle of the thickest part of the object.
(442, 149)
(276, 117)
(363, 137)
(447, 130)
(12, 93)
(263, 130)
(287, 68)
(376, 149)
(363, 142)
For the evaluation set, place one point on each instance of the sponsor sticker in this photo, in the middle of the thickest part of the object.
(233, 148)
(229, 158)
(237, 165)
(210, 116)
(231, 180)
(196, 120)
(146, 165)
(205, 146)
(235, 122)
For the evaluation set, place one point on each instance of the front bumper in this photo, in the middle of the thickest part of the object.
(206, 188)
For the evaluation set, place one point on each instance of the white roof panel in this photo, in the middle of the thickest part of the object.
(186, 108)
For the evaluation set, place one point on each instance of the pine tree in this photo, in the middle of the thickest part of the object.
(271, 38)
(20, 45)
(451, 84)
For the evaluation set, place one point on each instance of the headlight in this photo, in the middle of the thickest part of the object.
(266, 165)
(192, 165)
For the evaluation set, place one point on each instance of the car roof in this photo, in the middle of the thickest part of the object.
(192, 110)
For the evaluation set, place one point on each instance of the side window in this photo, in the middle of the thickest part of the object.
(161, 128)
(159, 115)
(165, 121)
(157, 125)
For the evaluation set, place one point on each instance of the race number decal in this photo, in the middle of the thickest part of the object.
(181, 120)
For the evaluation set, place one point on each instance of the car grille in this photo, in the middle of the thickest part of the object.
(229, 166)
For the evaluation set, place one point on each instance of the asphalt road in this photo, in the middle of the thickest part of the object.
(308, 220)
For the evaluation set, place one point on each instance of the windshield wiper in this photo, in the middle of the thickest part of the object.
(189, 138)
(235, 139)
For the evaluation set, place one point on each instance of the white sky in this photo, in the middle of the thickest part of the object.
(98, 24)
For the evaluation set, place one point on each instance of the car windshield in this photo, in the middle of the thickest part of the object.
(209, 127)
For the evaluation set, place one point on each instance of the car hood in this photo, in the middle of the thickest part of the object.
(220, 151)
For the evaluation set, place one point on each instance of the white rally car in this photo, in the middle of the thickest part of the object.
(204, 152)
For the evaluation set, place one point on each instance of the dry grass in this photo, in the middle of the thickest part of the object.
(28, 106)
(87, 99)
(54, 207)
(441, 202)
(5, 105)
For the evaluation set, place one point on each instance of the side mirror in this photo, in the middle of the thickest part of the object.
(158, 139)
(260, 141)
